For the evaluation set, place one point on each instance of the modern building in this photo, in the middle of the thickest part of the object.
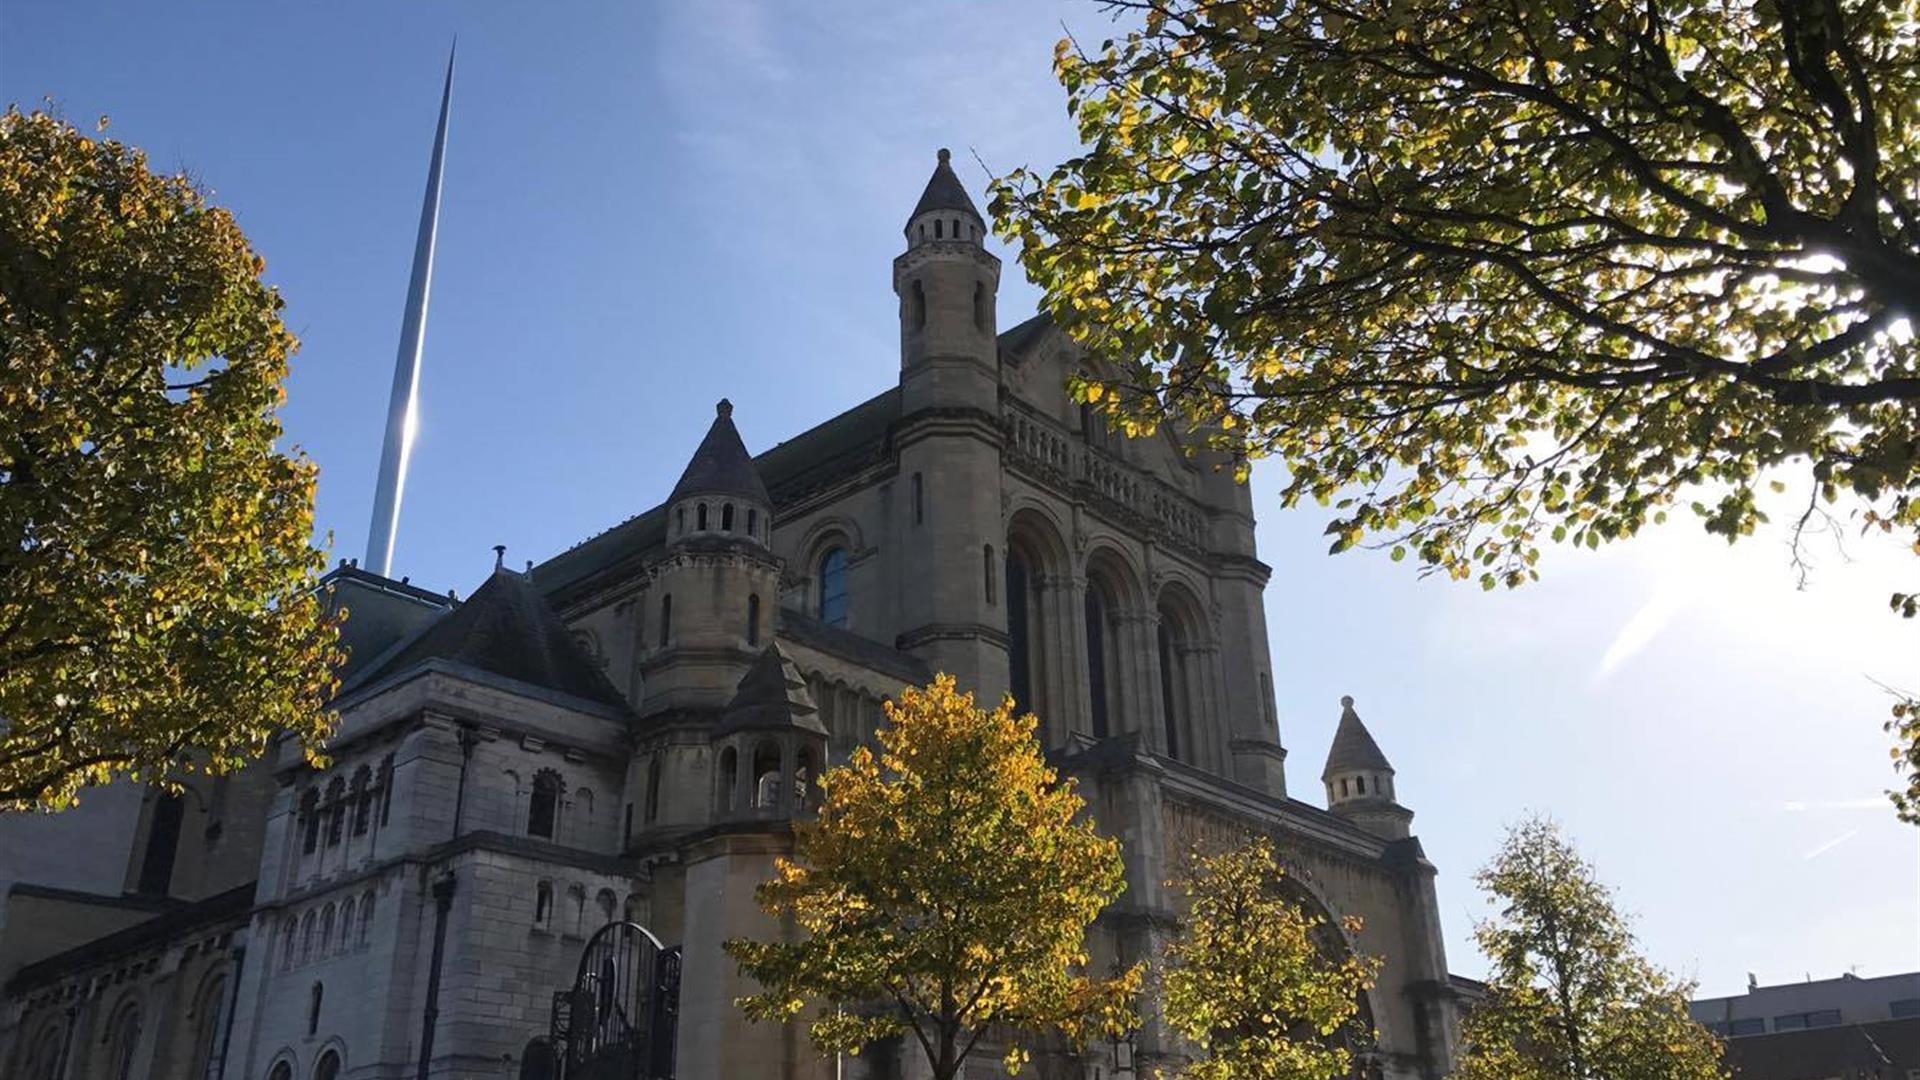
(628, 731)
(1847, 1028)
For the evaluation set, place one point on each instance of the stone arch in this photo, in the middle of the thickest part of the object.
(764, 779)
(120, 1040)
(543, 808)
(1036, 594)
(1183, 666)
(42, 1060)
(336, 1050)
(284, 1064)
(208, 1016)
(726, 781)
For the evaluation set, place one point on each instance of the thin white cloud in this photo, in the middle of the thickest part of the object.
(1646, 624)
(1830, 845)
(1872, 802)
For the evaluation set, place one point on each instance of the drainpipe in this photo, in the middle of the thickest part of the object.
(442, 902)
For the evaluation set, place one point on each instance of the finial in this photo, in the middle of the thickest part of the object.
(529, 570)
(1346, 701)
(499, 556)
(724, 409)
(946, 155)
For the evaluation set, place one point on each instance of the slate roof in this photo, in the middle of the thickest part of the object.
(1014, 342)
(1353, 747)
(505, 628)
(721, 466)
(1880, 1048)
(945, 191)
(772, 695)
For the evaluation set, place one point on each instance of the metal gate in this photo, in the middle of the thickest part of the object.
(618, 1020)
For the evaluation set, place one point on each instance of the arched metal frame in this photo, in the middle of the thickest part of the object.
(620, 1017)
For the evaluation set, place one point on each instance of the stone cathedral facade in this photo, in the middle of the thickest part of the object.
(629, 729)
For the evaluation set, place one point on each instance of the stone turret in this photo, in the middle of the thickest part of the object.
(770, 744)
(1360, 781)
(947, 282)
(945, 508)
(716, 589)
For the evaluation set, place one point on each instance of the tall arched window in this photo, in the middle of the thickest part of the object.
(386, 790)
(917, 307)
(336, 810)
(542, 904)
(123, 1042)
(309, 935)
(326, 931)
(666, 619)
(833, 587)
(366, 920)
(766, 776)
(43, 1060)
(281, 1071)
(209, 1021)
(753, 521)
(986, 571)
(314, 999)
(700, 518)
(980, 307)
(329, 1067)
(362, 800)
(544, 810)
(1019, 632)
(919, 499)
(309, 821)
(753, 619)
(289, 937)
(653, 788)
(1096, 614)
(726, 517)
(163, 844)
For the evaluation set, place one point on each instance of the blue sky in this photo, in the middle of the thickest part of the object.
(650, 206)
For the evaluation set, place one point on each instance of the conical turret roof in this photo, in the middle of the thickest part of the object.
(945, 191)
(1353, 747)
(721, 466)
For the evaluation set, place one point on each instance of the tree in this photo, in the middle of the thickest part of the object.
(1264, 987)
(1493, 275)
(157, 606)
(945, 890)
(1569, 997)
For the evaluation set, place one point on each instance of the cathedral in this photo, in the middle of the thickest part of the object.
(625, 734)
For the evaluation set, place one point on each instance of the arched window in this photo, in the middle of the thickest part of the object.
(289, 934)
(680, 518)
(281, 1071)
(753, 517)
(542, 905)
(1019, 632)
(326, 931)
(766, 776)
(753, 619)
(986, 571)
(700, 518)
(336, 810)
(329, 1066)
(309, 935)
(729, 779)
(366, 920)
(43, 1060)
(980, 307)
(163, 843)
(917, 306)
(653, 788)
(939, 229)
(606, 904)
(726, 517)
(123, 1042)
(919, 499)
(833, 587)
(544, 810)
(209, 1020)
(1096, 614)
(666, 619)
(314, 998)
(576, 909)
(362, 800)
(802, 779)
(1359, 785)
(309, 821)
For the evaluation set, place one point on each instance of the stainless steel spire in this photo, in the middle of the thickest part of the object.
(401, 407)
